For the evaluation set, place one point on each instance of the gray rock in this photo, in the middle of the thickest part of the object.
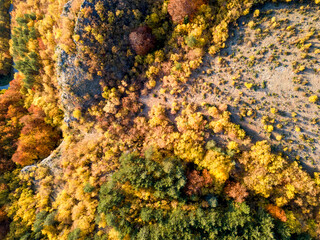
(75, 85)
(79, 88)
(28, 169)
(66, 8)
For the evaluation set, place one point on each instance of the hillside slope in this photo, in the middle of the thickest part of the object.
(179, 142)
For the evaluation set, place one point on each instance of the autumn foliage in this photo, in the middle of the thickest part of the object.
(24, 134)
(142, 40)
(197, 181)
(37, 138)
(277, 212)
(5, 58)
(180, 9)
(11, 111)
(236, 191)
(127, 172)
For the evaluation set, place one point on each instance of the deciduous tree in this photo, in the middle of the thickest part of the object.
(37, 138)
(142, 40)
(181, 9)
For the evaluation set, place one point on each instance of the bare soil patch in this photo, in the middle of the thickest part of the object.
(266, 74)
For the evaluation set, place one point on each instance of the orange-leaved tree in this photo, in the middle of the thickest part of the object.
(11, 111)
(37, 138)
(180, 9)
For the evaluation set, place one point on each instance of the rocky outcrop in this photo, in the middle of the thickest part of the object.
(101, 54)
(80, 86)
(75, 86)
(73, 79)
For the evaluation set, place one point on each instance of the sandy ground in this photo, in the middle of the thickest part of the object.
(266, 77)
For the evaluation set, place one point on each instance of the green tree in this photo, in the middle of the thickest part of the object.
(145, 200)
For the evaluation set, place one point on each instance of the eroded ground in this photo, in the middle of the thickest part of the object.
(269, 75)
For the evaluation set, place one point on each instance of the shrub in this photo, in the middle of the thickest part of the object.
(313, 98)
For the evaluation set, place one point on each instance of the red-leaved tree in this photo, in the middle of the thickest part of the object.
(197, 181)
(142, 40)
(179, 9)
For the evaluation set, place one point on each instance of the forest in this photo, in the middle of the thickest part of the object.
(112, 127)
(5, 56)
